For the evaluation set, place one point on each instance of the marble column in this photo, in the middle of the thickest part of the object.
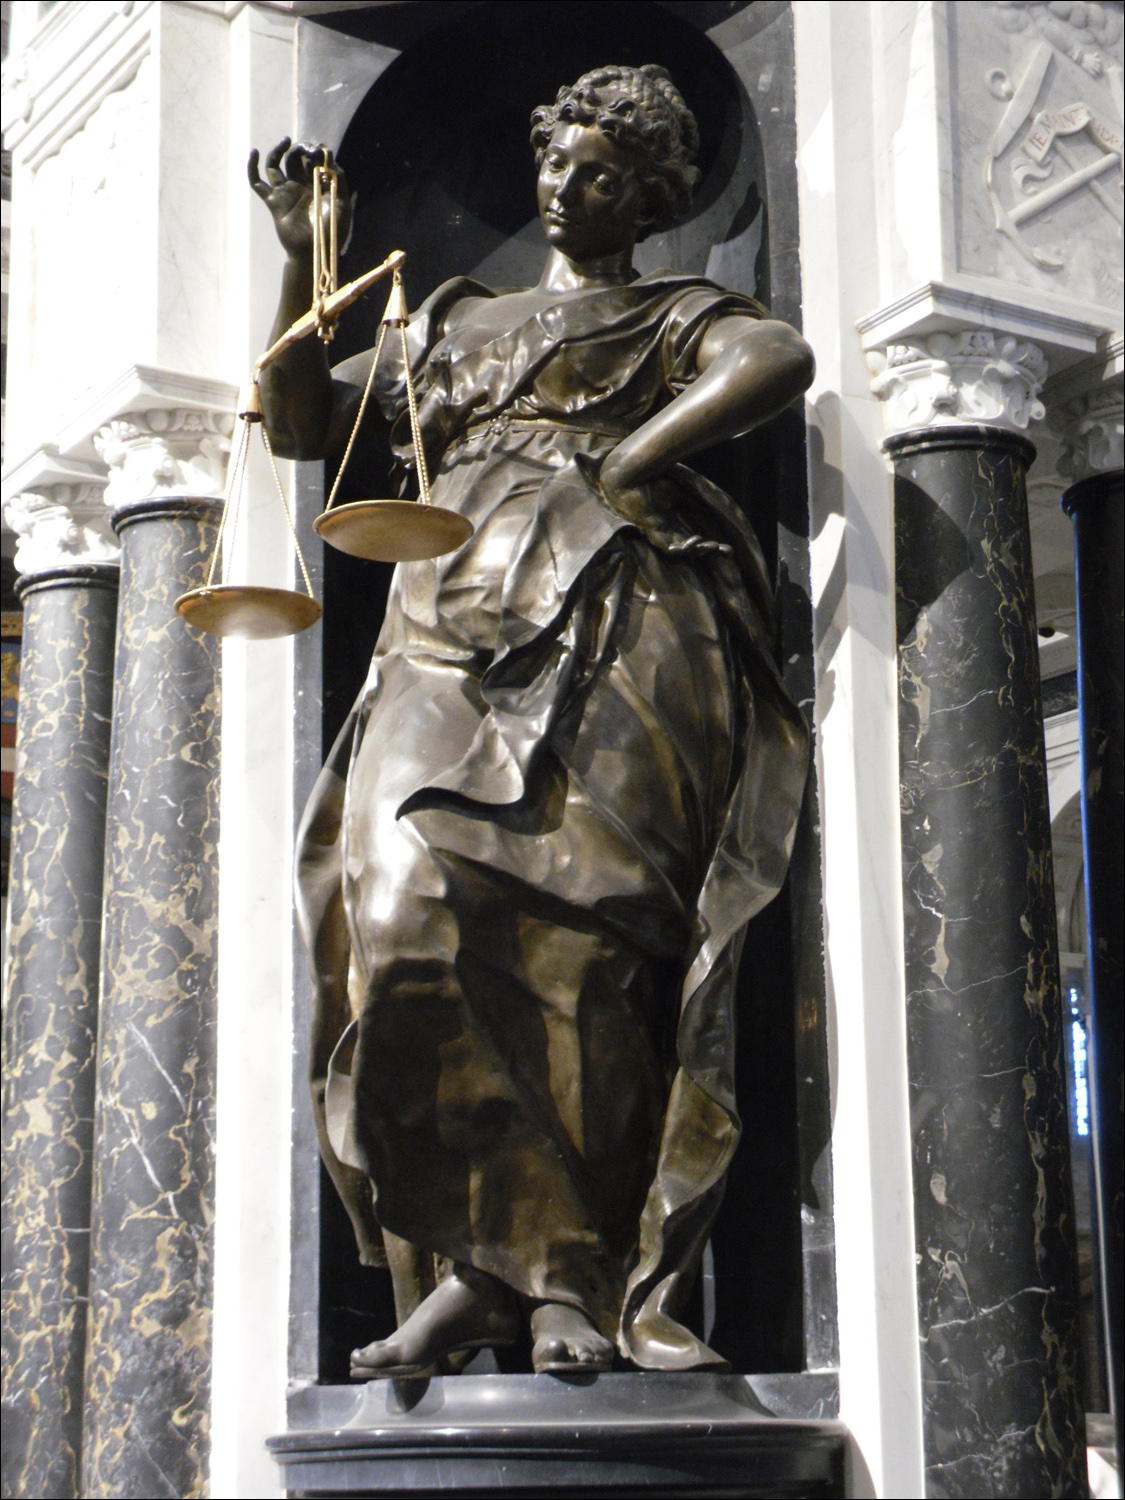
(993, 1203)
(149, 1347)
(69, 593)
(1095, 502)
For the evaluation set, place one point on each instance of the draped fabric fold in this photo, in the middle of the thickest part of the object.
(573, 777)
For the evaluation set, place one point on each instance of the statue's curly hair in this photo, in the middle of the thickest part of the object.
(643, 111)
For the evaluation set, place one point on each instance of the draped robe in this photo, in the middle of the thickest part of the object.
(571, 778)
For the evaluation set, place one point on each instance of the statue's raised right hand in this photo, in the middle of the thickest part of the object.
(287, 193)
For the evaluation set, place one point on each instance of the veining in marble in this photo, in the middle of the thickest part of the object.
(148, 1360)
(993, 1201)
(50, 1019)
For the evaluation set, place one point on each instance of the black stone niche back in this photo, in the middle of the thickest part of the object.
(438, 155)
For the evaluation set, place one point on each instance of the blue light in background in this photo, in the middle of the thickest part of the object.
(1081, 1084)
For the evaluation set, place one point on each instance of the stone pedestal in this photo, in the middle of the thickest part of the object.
(149, 1351)
(992, 1193)
(1096, 505)
(606, 1435)
(51, 1017)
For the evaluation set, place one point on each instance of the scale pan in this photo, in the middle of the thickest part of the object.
(393, 530)
(248, 611)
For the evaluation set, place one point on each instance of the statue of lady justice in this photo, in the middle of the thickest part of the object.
(571, 778)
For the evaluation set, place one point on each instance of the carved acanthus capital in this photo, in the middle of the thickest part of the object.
(1092, 427)
(970, 375)
(61, 524)
(177, 451)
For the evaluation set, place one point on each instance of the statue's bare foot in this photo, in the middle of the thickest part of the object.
(468, 1310)
(566, 1342)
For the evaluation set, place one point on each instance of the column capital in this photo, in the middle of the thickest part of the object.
(164, 451)
(59, 525)
(967, 375)
(1092, 428)
(1085, 411)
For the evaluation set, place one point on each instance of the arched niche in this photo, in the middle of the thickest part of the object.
(437, 151)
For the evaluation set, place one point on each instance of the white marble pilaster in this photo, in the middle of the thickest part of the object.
(254, 1102)
(852, 547)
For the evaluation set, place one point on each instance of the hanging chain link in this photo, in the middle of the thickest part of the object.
(397, 298)
(232, 507)
(415, 426)
(325, 243)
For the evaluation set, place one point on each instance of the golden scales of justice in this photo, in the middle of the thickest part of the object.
(380, 530)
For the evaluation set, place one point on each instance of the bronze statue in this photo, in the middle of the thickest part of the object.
(571, 778)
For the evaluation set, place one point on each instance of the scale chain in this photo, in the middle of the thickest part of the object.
(234, 483)
(415, 426)
(288, 513)
(359, 416)
(231, 529)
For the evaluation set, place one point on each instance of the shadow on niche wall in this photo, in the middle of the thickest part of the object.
(438, 153)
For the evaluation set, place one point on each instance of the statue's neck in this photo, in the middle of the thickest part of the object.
(561, 274)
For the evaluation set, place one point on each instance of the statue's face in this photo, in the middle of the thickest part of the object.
(590, 196)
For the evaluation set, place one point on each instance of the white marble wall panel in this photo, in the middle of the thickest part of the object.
(91, 207)
(1036, 92)
(852, 531)
(255, 1040)
(910, 145)
(116, 116)
(193, 162)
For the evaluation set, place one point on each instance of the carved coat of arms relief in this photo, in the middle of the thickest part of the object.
(1052, 162)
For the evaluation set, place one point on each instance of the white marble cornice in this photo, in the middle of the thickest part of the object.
(141, 388)
(1065, 330)
(59, 525)
(951, 378)
(45, 467)
(314, 8)
(54, 82)
(140, 393)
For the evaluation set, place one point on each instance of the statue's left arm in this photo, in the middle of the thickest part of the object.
(747, 372)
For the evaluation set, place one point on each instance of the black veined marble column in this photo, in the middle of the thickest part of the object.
(993, 1204)
(1096, 506)
(149, 1350)
(50, 1017)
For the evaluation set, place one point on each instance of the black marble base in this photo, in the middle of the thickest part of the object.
(527, 1435)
